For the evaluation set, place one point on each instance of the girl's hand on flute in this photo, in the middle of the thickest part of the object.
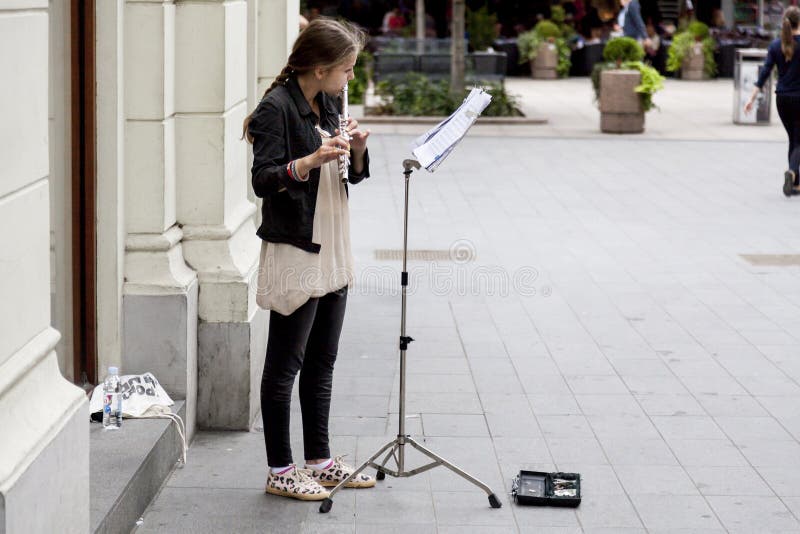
(358, 138)
(330, 150)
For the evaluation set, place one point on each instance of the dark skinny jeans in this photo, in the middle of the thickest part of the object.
(307, 342)
(789, 112)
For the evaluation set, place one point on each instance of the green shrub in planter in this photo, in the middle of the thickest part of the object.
(545, 31)
(417, 95)
(683, 42)
(627, 53)
(698, 29)
(623, 49)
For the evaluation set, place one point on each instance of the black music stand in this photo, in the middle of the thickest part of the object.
(396, 446)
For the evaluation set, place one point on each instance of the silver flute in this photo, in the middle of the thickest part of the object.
(344, 159)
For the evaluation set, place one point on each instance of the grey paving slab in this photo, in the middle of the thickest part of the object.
(223, 460)
(569, 451)
(565, 426)
(742, 429)
(457, 508)
(517, 421)
(688, 427)
(466, 425)
(670, 404)
(418, 383)
(625, 404)
(208, 510)
(622, 451)
(524, 449)
(793, 503)
(481, 529)
(599, 479)
(670, 512)
(361, 405)
(389, 506)
(608, 511)
(321, 528)
(707, 452)
(497, 383)
(531, 365)
(529, 517)
(655, 385)
(596, 385)
(738, 514)
(731, 405)
(370, 528)
(728, 481)
(462, 403)
(656, 480)
(546, 404)
(764, 453)
(613, 427)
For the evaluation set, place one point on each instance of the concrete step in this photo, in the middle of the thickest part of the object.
(128, 467)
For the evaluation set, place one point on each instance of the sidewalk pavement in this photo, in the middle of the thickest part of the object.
(606, 324)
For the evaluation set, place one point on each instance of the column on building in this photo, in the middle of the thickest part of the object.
(161, 291)
(277, 30)
(44, 449)
(276, 27)
(219, 236)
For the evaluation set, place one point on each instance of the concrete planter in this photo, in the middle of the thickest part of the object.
(693, 64)
(620, 107)
(543, 67)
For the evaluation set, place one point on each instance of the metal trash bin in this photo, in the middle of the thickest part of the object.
(745, 75)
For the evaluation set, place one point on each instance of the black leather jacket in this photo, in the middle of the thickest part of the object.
(283, 129)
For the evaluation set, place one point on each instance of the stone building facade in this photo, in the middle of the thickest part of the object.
(128, 224)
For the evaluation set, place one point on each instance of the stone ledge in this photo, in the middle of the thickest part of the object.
(405, 119)
(135, 473)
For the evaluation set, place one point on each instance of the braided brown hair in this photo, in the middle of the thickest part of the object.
(324, 43)
(791, 18)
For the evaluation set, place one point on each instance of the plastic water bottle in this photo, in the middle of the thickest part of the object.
(112, 400)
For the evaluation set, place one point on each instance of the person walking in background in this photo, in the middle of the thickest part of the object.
(630, 21)
(306, 264)
(783, 53)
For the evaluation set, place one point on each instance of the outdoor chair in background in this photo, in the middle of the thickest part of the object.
(584, 59)
(401, 45)
(435, 66)
(487, 67)
(389, 66)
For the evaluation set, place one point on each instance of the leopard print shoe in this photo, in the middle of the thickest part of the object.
(296, 483)
(338, 471)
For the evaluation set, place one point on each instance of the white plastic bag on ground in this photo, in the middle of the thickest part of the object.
(139, 393)
(142, 397)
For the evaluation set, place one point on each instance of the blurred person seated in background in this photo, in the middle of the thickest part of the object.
(652, 48)
(430, 26)
(393, 22)
(718, 19)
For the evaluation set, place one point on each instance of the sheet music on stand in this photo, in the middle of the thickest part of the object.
(433, 147)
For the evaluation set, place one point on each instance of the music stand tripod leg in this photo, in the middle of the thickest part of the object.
(397, 444)
(326, 505)
(493, 500)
